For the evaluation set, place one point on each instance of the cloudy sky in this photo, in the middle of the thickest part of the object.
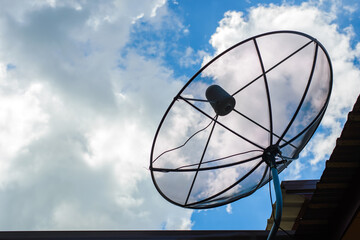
(84, 84)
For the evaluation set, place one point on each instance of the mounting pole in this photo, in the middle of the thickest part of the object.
(269, 157)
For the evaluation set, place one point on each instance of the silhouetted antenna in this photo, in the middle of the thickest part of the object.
(248, 111)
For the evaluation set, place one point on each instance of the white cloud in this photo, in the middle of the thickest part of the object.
(350, 9)
(158, 5)
(294, 172)
(76, 129)
(229, 209)
(191, 57)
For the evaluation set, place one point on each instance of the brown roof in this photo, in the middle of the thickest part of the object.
(334, 206)
(296, 195)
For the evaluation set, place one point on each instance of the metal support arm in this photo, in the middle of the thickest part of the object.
(279, 204)
(269, 157)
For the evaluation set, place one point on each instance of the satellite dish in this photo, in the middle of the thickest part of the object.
(248, 111)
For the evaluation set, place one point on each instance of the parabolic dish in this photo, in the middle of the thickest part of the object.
(281, 82)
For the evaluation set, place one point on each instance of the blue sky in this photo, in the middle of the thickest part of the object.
(84, 84)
